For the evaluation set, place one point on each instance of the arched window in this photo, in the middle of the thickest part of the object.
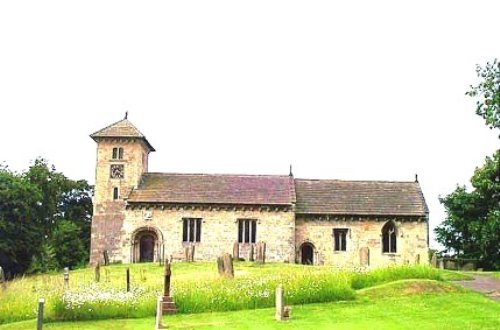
(389, 238)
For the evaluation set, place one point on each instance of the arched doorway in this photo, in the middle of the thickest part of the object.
(146, 245)
(307, 254)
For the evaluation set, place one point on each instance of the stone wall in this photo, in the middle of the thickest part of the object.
(219, 231)
(412, 244)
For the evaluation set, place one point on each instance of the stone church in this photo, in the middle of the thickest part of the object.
(141, 216)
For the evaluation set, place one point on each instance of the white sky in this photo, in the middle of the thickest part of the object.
(364, 90)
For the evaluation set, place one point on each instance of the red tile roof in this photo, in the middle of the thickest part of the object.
(359, 197)
(214, 189)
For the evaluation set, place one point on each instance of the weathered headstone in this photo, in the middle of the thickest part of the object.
(434, 260)
(251, 253)
(98, 272)
(228, 265)
(236, 250)
(2, 279)
(263, 252)
(280, 305)
(186, 253)
(441, 263)
(39, 318)
(159, 314)
(220, 266)
(106, 257)
(128, 279)
(417, 259)
(191, 252)
(364, 256)
(66, 278)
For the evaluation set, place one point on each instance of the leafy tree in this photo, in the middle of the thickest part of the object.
(71, 250)
(488, 90)
(472, 226)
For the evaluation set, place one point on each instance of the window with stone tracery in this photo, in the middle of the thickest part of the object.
(389, 240)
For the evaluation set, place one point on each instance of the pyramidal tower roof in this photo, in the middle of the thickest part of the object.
(121, 129)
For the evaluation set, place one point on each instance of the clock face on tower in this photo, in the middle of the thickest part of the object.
(117, 172)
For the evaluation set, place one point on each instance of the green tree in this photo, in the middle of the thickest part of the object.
(70, 246)
(488, 90)
(472, 226)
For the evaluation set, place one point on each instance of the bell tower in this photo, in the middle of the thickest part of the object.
(122, 158)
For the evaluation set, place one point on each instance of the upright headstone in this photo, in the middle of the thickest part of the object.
(434, 260)
(251, 253)
(441, 263)
(66, 278)
(98, 272)
(228, 265)
(258, 253)
(220, 266)
(2, 279)
(364, 256)
(236, 250)
(159, 314)
(280, 305)
(417, 259)
(186, 253)
(39, 318)
(106, 257)
(191, 252)
(128, 279)
(263, 252)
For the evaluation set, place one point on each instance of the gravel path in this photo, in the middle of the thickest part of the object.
(487, 285)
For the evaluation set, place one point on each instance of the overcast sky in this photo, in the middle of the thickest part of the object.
(367, 90)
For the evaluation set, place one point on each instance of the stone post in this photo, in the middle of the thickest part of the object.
(159, 314)
(128, 279)
(39, 318)
(250, 253)
(280, 305)
(167, 274)
(236, 250)
(434, 260)
(66, 278)
(2, 279)
(98, 272)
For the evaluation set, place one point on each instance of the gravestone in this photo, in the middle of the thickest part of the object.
(186, 253)
(168, 304)
(191, 252)
(364, 256)
(417, 259)
(282, 311)
(261, 252)
(66, 278)
(236, 250)
(159, 314)
(251, 253)
(225, 265)
(441, 263)
(106, 257)
(97, 272)
(434, 260)
(2, 279)
(220, 266)
(39, 317)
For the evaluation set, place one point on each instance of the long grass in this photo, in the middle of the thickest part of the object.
(196, 288)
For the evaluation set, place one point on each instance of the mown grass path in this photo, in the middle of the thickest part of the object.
(410, 304)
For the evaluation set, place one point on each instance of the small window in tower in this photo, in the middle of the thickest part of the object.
(115, 193)
(120, 153)
(115, 153)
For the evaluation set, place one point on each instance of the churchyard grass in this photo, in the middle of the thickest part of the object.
(197, 288)
(408, 304)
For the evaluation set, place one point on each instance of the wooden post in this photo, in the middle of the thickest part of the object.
(98, 272)
(159, 314)
(106, 257)
(39, 319)
(236, 250)
(167, 274)
(128, 279)
(66, 278)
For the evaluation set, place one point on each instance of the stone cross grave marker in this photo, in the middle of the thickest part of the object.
(66, 278)
(168, 304)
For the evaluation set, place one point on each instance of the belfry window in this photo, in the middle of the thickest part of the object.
(191, 230)
(389, 238)
(247, 230)
(117, 153)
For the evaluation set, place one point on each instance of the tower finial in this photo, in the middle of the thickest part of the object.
(126, 114)
(416, 178)
(291, 174)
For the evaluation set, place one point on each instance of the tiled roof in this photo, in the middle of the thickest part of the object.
(214, 189)
(359, 197)
(121, 129)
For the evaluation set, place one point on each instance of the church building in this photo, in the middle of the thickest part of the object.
(141, 216)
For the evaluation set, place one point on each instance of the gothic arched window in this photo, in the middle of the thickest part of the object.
(389, 238)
